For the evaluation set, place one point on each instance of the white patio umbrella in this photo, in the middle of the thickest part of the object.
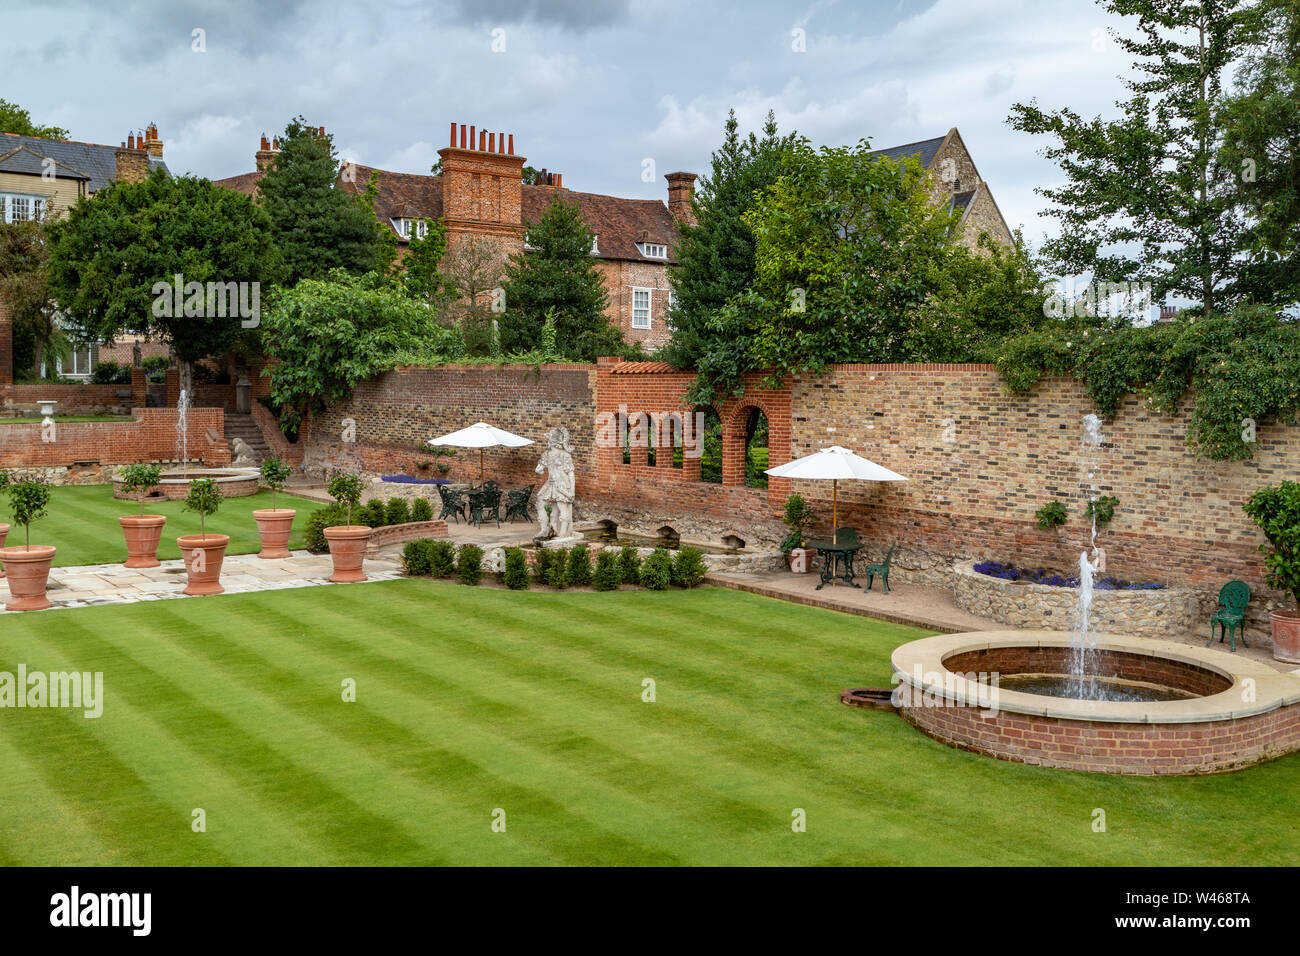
(835, 464)
(481, 435)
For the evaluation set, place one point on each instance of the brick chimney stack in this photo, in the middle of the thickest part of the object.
(132, 160)
(266, 153)
(151, 141)
(482, 182)
(681, 191)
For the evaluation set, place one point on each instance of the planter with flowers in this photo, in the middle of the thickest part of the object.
(142, 531)
(347, 542)
(274, 525)
(27, 567)
(203, 553)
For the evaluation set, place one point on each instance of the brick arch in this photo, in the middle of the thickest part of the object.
(776, 407)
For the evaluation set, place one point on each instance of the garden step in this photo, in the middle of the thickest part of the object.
(243, 426)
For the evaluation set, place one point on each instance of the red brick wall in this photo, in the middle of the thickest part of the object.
(72, 399)
(6, 343)
(150, 437)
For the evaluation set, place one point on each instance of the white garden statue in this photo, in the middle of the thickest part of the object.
(557, 492)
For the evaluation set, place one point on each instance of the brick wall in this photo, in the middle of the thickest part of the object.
(19, 401)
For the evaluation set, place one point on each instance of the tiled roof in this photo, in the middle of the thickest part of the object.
(641, 368)
(98, 163)
(245, 183)
(924, 150)
(23, 160)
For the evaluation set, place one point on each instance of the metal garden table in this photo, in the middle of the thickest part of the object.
(833, 555)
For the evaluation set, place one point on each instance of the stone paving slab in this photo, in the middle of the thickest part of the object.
(94, 585)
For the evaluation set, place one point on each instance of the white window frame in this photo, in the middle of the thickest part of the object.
(34, 206)
(653, 250)
(76, 373)
(649, 307)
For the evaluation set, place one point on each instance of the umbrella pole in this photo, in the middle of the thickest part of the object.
(835, 511)
(480, 464)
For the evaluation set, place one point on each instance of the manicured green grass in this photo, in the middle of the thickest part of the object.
(471, 700)
(82, 524)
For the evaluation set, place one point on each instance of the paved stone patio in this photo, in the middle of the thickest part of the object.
(95, 584)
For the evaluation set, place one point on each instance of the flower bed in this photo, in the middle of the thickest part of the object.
(1009, 572)
(1138, 612)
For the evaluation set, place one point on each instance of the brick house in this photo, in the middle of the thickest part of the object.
(44, 178)
(480, 192)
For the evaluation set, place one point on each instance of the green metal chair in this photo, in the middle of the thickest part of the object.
(882, 569)
(1231, 616)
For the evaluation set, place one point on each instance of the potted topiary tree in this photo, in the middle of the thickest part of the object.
(28, 568)
(142, 531)
(347, 542)
(797, 518)
(1277, 512)
(203, 553)
(274, 525)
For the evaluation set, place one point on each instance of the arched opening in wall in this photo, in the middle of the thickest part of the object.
(733, 541)
(608, 528)
(669, 536)
(755, 449)
(674, 441)
(652, 440)
(711, 446)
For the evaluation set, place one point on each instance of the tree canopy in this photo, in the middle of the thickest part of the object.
(15, 119)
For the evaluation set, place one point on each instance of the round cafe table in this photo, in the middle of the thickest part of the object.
(833, 556)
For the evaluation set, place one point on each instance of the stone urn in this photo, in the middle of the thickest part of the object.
(348, 551)
(142, 534)
(4, 530)
(801, 560)
(274, 525)
(1286, 636)
(28, 570)
(203, 555)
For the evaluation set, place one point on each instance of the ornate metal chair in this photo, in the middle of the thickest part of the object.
(517, 503)
(453, 503)
(485, 503)
(882, 569)
(1231, 616)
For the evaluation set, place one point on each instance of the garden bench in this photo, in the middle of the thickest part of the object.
(1231, 615)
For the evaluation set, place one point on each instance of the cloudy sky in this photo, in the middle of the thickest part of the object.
(589, 88)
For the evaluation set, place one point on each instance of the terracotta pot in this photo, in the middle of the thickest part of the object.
(801, 560)
(274, 526)
(203, 557)
(142, 534)
(347, 550)
(1286, 636)
(28, 570)
(4, 530)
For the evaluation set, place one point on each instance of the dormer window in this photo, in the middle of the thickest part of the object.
(653, 250)
(411, 228)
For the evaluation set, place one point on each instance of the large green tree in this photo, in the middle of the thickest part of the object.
(25, 286)
(316, 226)
(15, 119)
(848, 248)
(1147, 196)
(1262, 143)
(115, 259)
(715, 257)
(555, 275)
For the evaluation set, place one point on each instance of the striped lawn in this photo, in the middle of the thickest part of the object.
(469, 700)
(82, 524)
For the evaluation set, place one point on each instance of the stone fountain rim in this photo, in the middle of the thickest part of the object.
(1273, 689)
(225, 475)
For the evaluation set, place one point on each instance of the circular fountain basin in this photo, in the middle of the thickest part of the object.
(1214, 712)
(175, 485)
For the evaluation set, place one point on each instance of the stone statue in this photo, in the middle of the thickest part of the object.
(557, 462)
(242, 454)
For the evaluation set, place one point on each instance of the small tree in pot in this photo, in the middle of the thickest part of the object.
(142, 531)
(347, 542)
(797, 518)
(1277, 512)
(274, 525)
(27, 568)
(203, 553)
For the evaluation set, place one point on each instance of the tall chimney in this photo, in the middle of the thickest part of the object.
(681, 190)
(132, 161)
(152, 143)
(265, 156)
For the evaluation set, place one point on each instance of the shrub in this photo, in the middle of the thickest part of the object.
(346, 489)
(204, 497)
(421, 510)
(110, 373)
(469, 564)
(137, 479)
(1277, 512)
(373, 513)
(397, 511)
(557, 575)
(579, 565)
(657, 571)
(1051, 514)
(1102, 510)
(327, 517)
(797, 517)
(607, 576)
(515, 575)
(689, 568)
(274, 475)
(417, 557)
(542, 563)
(629, 565)
(28, 501)
(442, 559)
